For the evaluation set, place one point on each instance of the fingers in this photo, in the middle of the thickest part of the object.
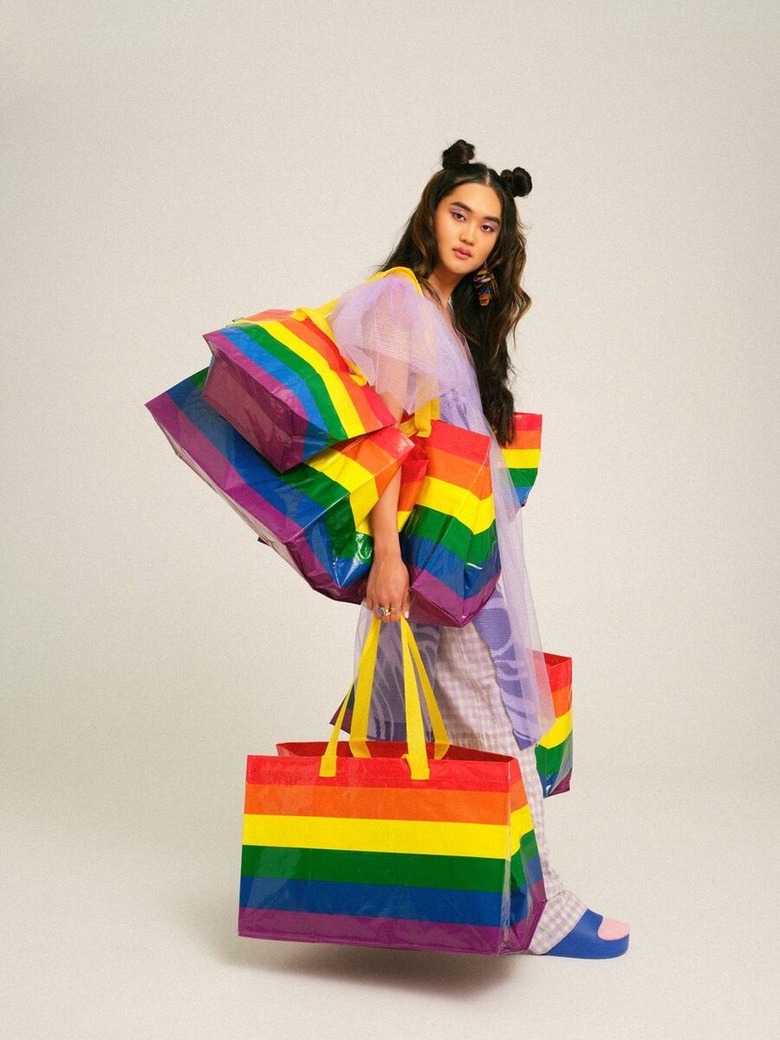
(390, 613)
(378, 608)
(387, 590)
(385, 614)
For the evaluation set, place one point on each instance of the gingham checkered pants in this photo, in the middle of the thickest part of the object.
(470, 701)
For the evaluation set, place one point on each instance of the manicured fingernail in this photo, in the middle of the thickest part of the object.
(406, 614)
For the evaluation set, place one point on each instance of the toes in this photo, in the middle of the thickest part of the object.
(611, 929)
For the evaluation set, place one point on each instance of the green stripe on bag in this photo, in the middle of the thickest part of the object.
(549, 760)
(374, 868)
(528, 850)
(452, 534)
(303, 369)
(523, 478)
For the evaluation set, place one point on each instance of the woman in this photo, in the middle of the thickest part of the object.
(466, 247)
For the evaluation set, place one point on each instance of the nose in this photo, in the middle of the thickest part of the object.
(467, 234)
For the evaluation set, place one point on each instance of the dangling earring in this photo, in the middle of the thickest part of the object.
(485, 285)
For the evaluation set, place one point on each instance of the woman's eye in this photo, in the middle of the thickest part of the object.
(490, 228)
(457, 214)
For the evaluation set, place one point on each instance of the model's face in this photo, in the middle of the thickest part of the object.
(466, 223)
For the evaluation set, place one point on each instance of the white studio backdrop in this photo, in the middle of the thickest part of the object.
(168, 167)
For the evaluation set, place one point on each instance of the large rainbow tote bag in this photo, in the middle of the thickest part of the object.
(349, 842)
(449, 540)
(315, 515)
(279, 378)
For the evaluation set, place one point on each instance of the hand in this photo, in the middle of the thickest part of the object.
(388, 587)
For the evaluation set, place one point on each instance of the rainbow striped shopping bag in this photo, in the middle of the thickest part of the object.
(449, 541)
(522, 453)
(554, 751)
(279, 379)
(315, 515)
(352, 843)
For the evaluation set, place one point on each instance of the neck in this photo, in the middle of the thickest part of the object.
(443, 282)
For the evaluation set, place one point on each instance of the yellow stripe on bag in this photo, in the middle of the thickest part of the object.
(423, 837)
(558, 732)
(363, 525)
(522, 458)
(319, 316)
(341, 468)
(359, 482)
(522, 824)
(420, 837)
(362, 502)
(342, 402)
(449, 498)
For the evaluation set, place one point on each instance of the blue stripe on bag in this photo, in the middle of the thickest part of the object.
(291, 501)
(444, 565)
(454, 906)
(282, 373)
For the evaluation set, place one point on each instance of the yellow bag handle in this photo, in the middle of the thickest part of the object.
(420, 423)
(441, 739)
(405, 271)
(416, 755)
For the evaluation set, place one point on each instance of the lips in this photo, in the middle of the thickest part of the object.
(464, 254)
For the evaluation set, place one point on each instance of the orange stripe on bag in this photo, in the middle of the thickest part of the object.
(460, 472)
(376, 803)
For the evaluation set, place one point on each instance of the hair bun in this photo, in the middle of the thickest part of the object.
(518, 181)
(459, 154)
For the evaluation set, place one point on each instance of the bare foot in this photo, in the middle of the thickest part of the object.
(611, 929)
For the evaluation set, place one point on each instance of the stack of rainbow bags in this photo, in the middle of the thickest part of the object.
(283, 428)
(290, 435)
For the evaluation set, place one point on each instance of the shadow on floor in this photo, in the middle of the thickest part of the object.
(212, 922)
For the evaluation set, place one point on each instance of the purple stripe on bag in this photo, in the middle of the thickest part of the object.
(280, 426)
(219, 341)
(435, 603)
(372, 931)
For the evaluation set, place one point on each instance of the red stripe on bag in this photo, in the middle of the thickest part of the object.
(461, 770)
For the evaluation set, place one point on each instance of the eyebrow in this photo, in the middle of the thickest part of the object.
(496, 220)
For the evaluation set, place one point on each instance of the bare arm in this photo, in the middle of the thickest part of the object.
(388, 579)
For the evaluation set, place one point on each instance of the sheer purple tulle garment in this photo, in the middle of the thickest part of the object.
(405, 345)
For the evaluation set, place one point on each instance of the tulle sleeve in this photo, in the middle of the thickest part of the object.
(396, 338)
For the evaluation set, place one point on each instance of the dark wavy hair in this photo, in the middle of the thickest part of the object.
(486, 329)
